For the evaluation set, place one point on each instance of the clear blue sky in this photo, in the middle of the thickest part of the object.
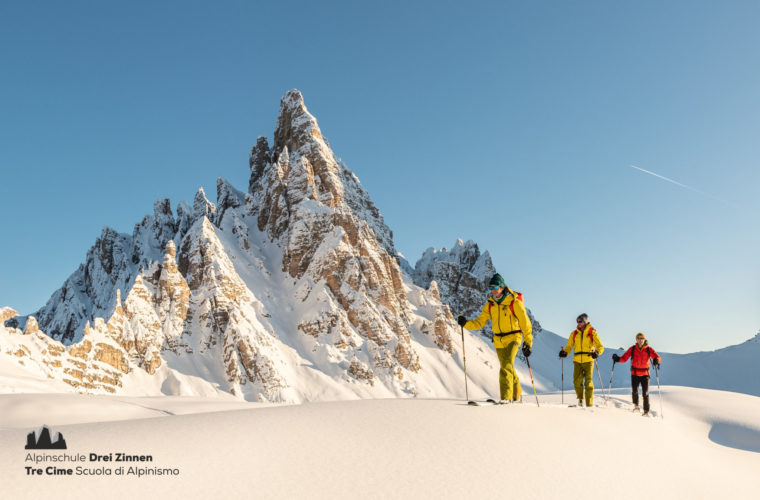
(514, 124)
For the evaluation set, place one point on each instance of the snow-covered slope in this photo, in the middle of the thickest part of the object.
(706, 447)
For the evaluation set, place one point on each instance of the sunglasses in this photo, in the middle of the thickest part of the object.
(579, 321)
(494, 287)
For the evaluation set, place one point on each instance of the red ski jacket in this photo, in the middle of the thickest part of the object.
(640, 360)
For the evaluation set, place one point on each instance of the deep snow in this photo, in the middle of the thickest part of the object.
(707, 446)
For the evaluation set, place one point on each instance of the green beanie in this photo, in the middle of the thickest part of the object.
(496, 279)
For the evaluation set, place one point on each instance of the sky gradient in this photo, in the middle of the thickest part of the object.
(513, 124)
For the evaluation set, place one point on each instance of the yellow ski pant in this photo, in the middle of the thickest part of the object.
(509, 384)
(583, 378)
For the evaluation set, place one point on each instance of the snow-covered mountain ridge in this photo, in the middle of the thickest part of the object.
(291, 291)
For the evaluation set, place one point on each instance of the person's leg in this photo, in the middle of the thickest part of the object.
(513, 347)
(578, 380)
(635, 389)
(588, 373)
(507, 375)
(516, 389)
(645, 391)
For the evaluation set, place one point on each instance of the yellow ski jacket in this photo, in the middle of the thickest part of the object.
(509, 320)
(581, 342)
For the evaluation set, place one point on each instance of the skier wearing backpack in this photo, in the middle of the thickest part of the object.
(587, 346)
(511, 326)
(640, 354)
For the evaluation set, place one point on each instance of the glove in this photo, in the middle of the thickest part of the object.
(594, 356)
(656, 361)
(526, 350)
(461, 320)
(562, 353)
(615, 358)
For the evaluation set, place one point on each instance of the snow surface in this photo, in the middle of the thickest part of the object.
(707, 446)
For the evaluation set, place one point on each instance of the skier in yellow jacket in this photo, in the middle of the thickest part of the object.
(587, 346)
(511, 325)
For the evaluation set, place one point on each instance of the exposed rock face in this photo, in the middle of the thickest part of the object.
(331, 232)
(316, 175)
(266, 294)
(438, 329)
(97, 364)
(220, 309)
(91, 289)
(6, 313)
(461, 274)
(151, 235)
(31, 326)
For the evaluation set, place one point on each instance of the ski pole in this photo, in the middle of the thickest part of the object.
(604, 393)
(531, 380)
(609, 391)
(657, 372)
(464, 361)
(562, 363)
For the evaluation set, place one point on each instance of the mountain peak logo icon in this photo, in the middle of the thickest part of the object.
(40, 440)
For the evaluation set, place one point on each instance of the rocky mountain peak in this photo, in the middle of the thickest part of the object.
(202, 207)
(330, 233)
(226, 197)
(296, 127)
(300, 271)
(460, 275)
(6, 313)
(301, 174)
(311, 168)
(106, 248)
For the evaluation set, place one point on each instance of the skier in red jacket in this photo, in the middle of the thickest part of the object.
(640, 355)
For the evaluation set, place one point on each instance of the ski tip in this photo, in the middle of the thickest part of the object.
(473, 403)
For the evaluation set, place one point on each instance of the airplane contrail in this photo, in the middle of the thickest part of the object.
(683, 185)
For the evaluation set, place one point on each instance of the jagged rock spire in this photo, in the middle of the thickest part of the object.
(202, 207)
(260, 157)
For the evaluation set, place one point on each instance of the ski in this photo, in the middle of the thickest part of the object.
(478, 403)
